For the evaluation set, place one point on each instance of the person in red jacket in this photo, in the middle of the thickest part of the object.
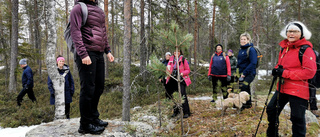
(219, 70)
(294, 86)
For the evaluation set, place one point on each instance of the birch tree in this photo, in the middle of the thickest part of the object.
(57, 80)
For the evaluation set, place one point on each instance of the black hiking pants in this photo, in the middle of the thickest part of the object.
(92, 85)
(172, 86)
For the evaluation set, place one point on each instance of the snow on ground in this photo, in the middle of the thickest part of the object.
(2, 67)
(15, 132)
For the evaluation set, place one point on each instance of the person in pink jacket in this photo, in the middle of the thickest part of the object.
(172, 84)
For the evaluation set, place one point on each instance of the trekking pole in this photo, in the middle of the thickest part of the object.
(265, 104)
(277, 115)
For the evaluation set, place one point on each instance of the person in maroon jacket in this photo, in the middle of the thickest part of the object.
(91, 43)
(294, 86)
(219, 70)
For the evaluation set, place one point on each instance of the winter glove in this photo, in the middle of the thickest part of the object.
(52, 95)
(210, 78)
(228, 78)
(277, 72)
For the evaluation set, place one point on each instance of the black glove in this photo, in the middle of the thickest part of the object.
(228, 78)
(210, 78)
(277, 72)
(52, 95)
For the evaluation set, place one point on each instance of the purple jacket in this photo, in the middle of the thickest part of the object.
(93, 35)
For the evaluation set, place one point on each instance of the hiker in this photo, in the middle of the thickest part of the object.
(91, 43)
(162, 78)
(27, 82)
(173, 84)
(233, 64)
(247, 66)
(63, 70)
(294, 75)
(219, 70)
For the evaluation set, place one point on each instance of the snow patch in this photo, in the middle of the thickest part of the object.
(15, 132)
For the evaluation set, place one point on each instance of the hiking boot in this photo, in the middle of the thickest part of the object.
(174, 115)
(186, 115)
(99, 122)
(91, 129)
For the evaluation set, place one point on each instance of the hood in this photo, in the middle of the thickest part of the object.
(285, 43)
(87, 2)
(246, 46)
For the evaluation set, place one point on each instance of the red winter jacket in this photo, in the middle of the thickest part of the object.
(296, 75)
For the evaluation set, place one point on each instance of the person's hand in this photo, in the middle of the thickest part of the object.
(228, 78)
(86, 60)
(181, 74)
(160, 80)
(277, 72)
(110, 57)
(25, 86)
(210, 78)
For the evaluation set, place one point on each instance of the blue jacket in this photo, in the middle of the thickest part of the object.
(246, 65)
(165, 62)
(27, 77)
(68, 86)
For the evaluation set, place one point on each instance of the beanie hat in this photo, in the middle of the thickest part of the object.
(230, 50)
(60, 58)
(23, 62)
(296, 25)
(219, 45)
(168, 53)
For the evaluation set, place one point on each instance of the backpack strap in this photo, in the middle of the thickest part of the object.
(301, 52)
(84, 10)
(65, 73)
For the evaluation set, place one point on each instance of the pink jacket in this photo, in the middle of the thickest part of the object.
(184, 69)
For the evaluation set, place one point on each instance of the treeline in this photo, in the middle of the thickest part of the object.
(24, 30)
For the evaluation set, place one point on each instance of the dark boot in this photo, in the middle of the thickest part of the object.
(91, 129)
(99, 122)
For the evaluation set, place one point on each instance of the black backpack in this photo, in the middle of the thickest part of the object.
(67, 35)
(315, 81)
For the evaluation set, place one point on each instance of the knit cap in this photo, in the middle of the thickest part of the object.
(23, 62)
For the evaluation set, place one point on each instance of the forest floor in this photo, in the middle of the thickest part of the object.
(207, 120)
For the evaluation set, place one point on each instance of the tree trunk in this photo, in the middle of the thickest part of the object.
(142, 43)
(14, 46)
(37, 35)
(213, 26)
(106, 12)
(126, 59)
(195, 41)
(67, 20)
(57, 80)
(113, 27)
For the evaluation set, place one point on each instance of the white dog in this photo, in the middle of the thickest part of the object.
(233, 99)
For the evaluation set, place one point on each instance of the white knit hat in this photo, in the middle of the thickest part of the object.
(296, 25)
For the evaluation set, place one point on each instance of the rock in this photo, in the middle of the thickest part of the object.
(69, 128)
(311, 118)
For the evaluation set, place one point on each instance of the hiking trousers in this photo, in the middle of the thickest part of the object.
(92, 85)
